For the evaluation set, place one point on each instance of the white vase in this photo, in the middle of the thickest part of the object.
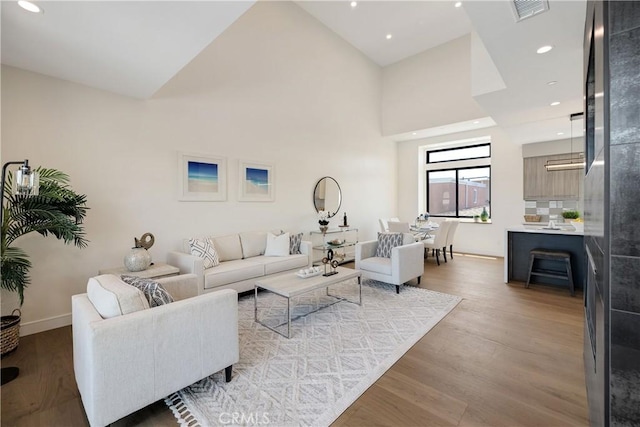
(137, 259)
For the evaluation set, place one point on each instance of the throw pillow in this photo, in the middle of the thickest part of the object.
(253, 243)
(153, 291)
(294, 243)
(277, 245)
(386, 242)
(204, 249)
(228, 247)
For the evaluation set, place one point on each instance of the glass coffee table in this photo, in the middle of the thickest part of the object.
(290, 285)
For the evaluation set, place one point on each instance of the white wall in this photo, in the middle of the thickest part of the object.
(430, 89)
(507, 206)
(276, 87)
(549, 148)
(485, 77)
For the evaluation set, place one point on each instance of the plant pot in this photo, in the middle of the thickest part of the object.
(10, 332)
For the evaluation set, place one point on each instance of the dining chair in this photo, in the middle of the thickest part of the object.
(384, 223)
(438, 242)
(450, 235)
(398, 227)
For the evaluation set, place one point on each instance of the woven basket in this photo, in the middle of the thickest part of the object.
(532, 218)
(10, 332)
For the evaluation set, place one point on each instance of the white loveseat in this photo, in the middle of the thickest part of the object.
(126, 362)
(242, 262)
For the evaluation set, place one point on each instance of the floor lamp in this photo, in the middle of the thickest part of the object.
(25, 183)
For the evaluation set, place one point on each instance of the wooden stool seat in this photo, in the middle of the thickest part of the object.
(551, 255)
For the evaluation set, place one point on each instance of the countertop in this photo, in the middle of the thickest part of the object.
(565, 230)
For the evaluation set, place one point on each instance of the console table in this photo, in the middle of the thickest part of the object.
(319, 242)
(155, 271)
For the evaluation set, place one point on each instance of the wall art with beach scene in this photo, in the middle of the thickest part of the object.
(202, 177)
(257, 182)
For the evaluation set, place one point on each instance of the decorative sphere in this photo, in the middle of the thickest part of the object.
(138, 259)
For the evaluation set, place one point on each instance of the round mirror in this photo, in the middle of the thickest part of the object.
(327, 196)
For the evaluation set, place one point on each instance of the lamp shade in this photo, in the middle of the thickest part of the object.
(26, 182)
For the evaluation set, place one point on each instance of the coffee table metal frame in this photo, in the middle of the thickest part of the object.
(289, 286)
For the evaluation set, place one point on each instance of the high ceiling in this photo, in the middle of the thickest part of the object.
(415, 26)
(128, 47)
(134, 48)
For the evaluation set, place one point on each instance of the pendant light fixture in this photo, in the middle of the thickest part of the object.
(574, 161)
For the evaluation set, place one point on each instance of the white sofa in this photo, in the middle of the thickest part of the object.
(242, 262)
(127, 362)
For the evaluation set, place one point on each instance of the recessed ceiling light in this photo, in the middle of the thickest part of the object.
(458, 4)
(414, 133)
(554, 103)
(354, 3)
(389, 36)
(560, 133)
(552, 82)
(27, 5)
(476, 122)
(544, 49)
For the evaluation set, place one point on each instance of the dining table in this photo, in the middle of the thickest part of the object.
(422, 230)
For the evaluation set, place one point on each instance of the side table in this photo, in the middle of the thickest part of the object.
(348, 235)
(155, 271)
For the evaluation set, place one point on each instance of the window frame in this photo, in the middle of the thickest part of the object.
(429, 152)
(457, 169)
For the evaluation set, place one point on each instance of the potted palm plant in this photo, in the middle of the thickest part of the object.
(56, 210)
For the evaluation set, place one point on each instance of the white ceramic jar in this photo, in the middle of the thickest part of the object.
(138, 259)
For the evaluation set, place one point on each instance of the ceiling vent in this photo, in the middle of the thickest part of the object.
(524, 9)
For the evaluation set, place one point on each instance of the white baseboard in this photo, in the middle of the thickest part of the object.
(42, 325)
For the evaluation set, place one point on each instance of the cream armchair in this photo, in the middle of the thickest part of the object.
(127, 362)
(406, 262)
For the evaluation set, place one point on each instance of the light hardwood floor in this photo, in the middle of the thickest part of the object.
(505, 356)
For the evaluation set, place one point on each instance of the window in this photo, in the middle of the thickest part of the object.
(481, 151)
(458, 181)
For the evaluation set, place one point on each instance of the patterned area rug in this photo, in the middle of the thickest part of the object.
(332, 357)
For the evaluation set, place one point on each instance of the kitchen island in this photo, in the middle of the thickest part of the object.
(521, 239)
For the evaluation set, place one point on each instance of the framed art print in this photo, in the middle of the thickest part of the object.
(202, 178)
(257, 183)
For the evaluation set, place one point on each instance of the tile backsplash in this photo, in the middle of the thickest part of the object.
(549, 209)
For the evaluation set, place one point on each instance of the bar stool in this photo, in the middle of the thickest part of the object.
(551, 255)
